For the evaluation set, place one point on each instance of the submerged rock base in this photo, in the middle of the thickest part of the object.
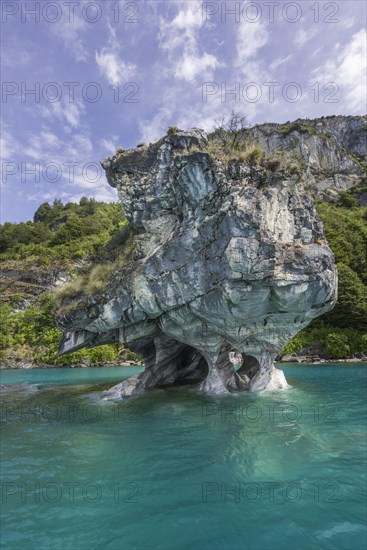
(169, 363)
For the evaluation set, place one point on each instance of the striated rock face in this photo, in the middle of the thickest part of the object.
(230, 257)
(331, 149)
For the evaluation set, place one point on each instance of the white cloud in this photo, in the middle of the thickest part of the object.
(192, 66)
(280, 61)
(103, 193)
(347, 68)
(157, 126)
(80, 173)
(72, 112)
(347, 23)
(70, 33)
(9, 146)
(182, 30)
(174, 112)
(303, 36)
(45, 147)
(50, 139)
(251, 37)
(46, 196)
(179, 39)
(109, 144)
(110, 63)
(64, 111)
(112, 67)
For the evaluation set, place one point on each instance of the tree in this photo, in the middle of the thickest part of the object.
(57, 204)
(351, 307)
(43, 213)
(231, 132)
(337, 345)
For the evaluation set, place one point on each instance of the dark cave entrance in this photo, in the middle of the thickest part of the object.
(250, 366)
(192, 367)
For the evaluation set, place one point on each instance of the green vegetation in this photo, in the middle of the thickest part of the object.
(31, 335)
(84, 241)
(230, 140)
(252, 154)
(301, 126)
(324, 339)
(88, 285)
(172, 130)
(249, 154)
(61, 233)
(342, 332)
(288, 162)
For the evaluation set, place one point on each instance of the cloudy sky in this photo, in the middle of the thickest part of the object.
(81, 78)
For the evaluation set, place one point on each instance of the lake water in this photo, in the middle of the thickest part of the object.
(175, 469)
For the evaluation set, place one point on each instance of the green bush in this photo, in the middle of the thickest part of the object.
(172, 130)
(32, 335)
(327, 340)
(337, 345)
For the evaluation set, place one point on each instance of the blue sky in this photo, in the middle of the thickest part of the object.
(106, 74)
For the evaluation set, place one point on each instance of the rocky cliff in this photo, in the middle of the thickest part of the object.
(332, 150)
(230, 256)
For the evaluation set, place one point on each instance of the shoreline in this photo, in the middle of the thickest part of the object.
(28, 365)
(299, 360)
(318, 360)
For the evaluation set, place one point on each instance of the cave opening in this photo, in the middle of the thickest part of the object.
(192, 367)
(250, 366)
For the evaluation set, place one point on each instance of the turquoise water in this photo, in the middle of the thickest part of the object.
(175, 469)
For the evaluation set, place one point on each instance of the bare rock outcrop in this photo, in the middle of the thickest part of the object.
(229, 257)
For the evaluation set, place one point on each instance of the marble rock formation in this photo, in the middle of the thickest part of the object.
(230, 261)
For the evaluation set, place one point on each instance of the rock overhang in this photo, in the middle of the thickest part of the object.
(232, 258)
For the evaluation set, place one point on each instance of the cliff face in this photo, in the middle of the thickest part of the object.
(331, 149)
(230, 257)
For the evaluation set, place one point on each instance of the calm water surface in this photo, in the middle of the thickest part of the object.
(175, 469)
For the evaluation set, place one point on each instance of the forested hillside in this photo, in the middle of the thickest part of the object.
(37, 257)
(64, 241)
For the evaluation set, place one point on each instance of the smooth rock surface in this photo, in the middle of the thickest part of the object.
(229, 258)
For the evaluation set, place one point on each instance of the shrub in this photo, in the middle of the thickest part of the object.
(71, 290)
(172, 130)
(273, 163)
(98, 279)
(347, 200)
(337, 345)
(252, 154)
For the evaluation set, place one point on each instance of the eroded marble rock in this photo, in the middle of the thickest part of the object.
(230, 257)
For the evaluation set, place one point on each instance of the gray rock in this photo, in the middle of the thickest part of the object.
(329, 148)
(229, 258)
